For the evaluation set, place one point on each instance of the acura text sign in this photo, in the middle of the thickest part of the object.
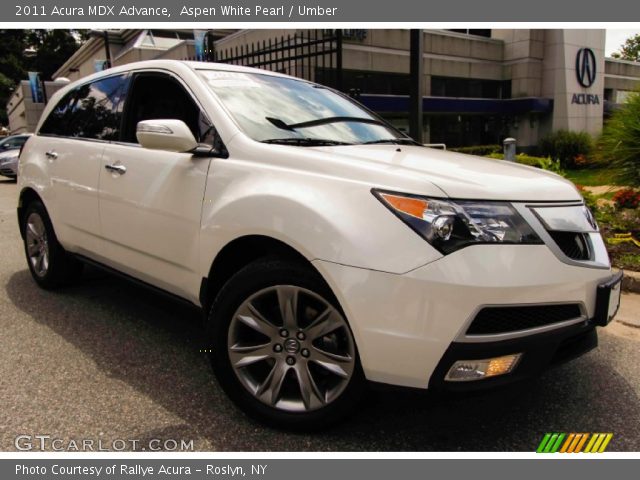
(586, 70)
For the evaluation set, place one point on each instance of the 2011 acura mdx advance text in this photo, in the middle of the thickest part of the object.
(326, 248)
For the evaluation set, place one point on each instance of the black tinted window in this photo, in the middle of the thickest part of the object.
(56, 122)
(13, 142)
(89, 111)
(159, 96)
(469, 88)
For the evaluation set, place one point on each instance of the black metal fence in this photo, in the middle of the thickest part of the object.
(314, 55)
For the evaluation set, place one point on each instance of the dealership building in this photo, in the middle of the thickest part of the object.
(120, 46)
(478, 86)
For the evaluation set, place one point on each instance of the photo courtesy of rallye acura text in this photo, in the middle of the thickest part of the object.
(326, 249)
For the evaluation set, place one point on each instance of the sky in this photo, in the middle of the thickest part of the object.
(616, 37)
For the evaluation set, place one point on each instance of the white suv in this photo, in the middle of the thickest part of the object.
(325, 248)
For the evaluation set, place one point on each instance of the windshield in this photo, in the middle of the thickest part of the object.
(285, 110)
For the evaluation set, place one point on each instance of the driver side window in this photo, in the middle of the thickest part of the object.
(160, 96)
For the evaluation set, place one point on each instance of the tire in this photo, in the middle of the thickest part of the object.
(49, 264)
(280, 380)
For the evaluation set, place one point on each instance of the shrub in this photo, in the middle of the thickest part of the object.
(580, 161)
(620, 141)
(571, 149)
(626, 198)
(544, 163)
(618, 220)
(480, 150)
(590, 199)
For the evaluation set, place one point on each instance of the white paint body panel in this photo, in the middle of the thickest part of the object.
(150, 216)
(69, 184)
(403, 324)
(168, 217)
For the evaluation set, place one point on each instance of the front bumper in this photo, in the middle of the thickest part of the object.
(409, 328)
(539, 351)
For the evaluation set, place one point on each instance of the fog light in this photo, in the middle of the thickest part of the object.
(465, 370)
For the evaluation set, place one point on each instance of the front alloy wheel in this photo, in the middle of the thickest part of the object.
(291, 349)
(283, 350)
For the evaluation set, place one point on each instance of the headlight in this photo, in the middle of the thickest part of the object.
(451, 225)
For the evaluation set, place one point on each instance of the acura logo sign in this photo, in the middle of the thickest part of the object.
(586, 67)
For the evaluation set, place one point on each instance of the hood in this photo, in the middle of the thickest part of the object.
(12, 153)
(462, 176)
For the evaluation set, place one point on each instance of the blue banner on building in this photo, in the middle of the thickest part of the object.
(199, 36)
(36, 87)
(99, 65)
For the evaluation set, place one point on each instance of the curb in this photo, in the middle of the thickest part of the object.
(631, 281)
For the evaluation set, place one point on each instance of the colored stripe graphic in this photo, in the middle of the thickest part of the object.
(599, 440)
(606, 441)
(543, 443)
(581, 443)
(568, 442)
(550, 443)
(574, 442)
(556, 446)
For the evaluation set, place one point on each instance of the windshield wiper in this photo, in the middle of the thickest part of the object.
(305, 142)
(322, 121)
(395, 141)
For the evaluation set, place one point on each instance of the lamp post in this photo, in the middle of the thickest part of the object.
(416, 70)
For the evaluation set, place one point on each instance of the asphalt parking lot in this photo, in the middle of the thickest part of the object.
(106, 360)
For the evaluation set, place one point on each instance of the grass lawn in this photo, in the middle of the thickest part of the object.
(592, 177)
(628, 261)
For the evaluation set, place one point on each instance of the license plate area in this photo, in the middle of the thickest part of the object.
(608, 299)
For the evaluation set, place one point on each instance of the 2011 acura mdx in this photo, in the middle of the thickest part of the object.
(326, 248)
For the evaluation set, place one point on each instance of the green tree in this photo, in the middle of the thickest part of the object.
(52, 48)
(12, 45)
(41, 51)
(630, 50)
(620, 141)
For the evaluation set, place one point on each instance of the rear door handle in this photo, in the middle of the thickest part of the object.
(119, 169)
(51, 155)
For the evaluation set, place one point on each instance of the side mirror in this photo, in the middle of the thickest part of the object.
(166, 134)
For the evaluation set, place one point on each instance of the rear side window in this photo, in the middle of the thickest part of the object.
(89, 111)
(56, 122)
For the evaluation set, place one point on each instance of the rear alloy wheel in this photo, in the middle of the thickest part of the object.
(48, 262)
(285, 353)
(37, 245)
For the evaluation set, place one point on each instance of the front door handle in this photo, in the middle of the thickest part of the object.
(51, 155)
(119, 169)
